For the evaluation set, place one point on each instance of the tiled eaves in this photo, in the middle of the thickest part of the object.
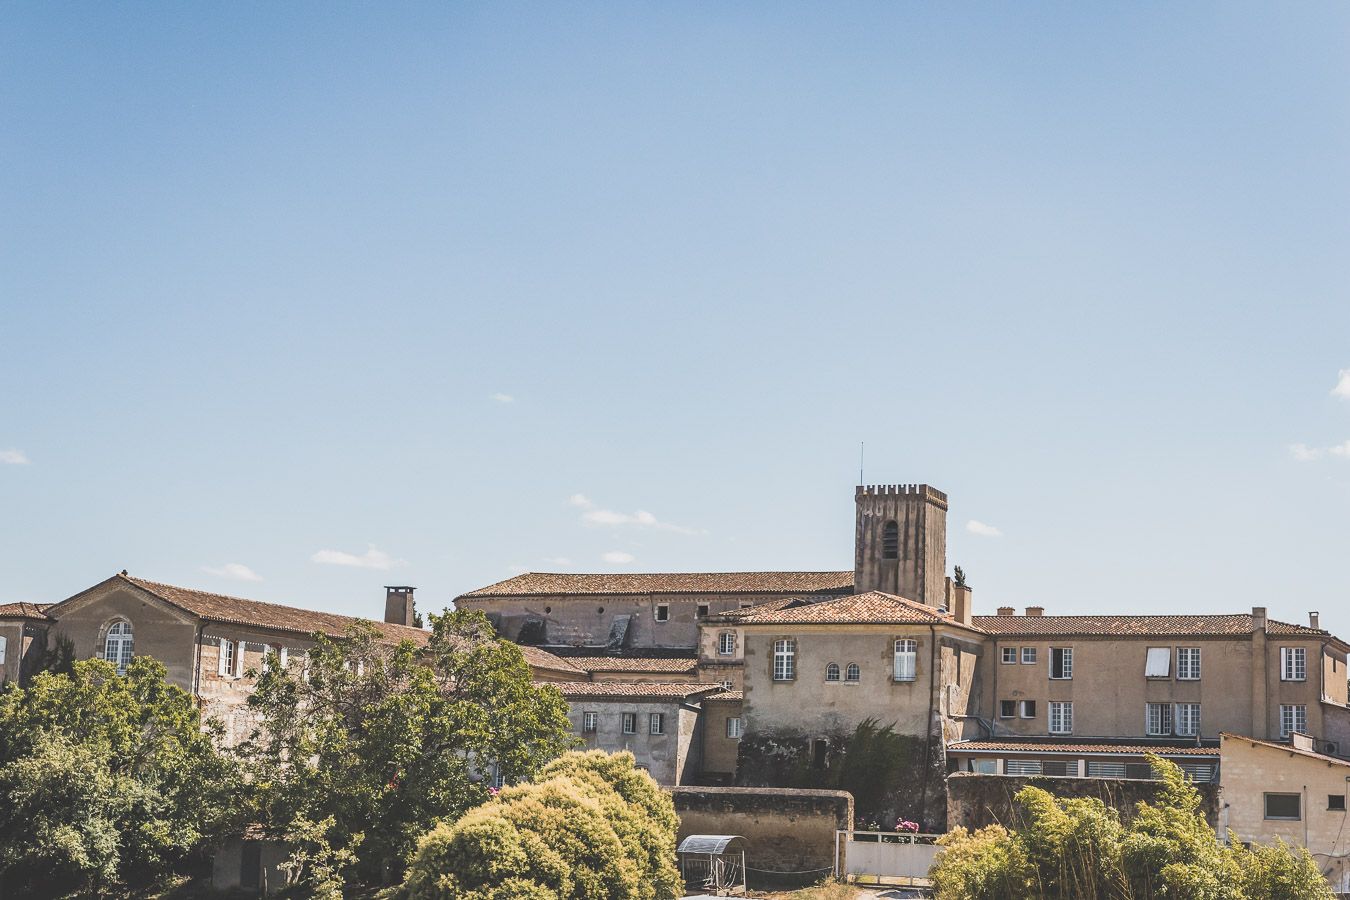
(565, 583)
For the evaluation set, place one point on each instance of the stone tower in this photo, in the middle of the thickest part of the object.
(900, 543)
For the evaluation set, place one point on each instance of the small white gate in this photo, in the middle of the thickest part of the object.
(884, 857)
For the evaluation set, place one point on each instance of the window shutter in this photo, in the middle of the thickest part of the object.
(224, 652)
(281, 651)
(239, 659)
(1159, 662)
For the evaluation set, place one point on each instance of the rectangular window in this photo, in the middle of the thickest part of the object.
(1028, 656)
(1158, 663)
(906, 652)
(498, 778)
(1061, 662)
(1060, 767)
(725, 684)
(3, 642)
(984, 766)
(1293, 718)
(1293, 664)
(734, 727)
(1027, 709)
(1061, 717)
(1284, 806)
(784, 660)
(1188, 663)
(1198, 772)
(1007, 709)
(726, 643)
(630, 723)
(1022, 767)
(656, 723)
(1188, 719)
(1139, 771)
(663, 612)
(1097, 769)
(1009, 654)
(1157, 719)
(226, 657)
(702, 610)
(590, 722)
(1335, 802)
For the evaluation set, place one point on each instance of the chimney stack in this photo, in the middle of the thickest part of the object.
(960, 606)
(1258, 618)
(1314, 620)
(1006, 611)
(398, 604)
(1035, 610)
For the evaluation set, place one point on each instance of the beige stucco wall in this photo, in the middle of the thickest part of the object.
(1109, 690)
(24, 642)
(810, 704)
(160, 630)
(671, 758)
(1247, 772)
(719, 751)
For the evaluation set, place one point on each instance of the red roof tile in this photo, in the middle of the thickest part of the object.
(872, 608)
(23, 610)
(737, 696)
(551, 583)
(633, 690)
(632, 664)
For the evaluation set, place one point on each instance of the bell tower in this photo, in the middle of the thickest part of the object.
(900, 541)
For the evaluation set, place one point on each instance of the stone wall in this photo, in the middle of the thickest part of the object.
(790, 834)
(975, 801)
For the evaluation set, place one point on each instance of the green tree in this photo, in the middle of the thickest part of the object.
(109, 780)
(1077, 848)
(592, 827)
(380, 742)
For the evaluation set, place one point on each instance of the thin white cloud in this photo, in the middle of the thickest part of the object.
(617, 556)
(502, 398)
(983, 530)
(641, 518)
(1342, 388)
(557, 560)
(235, 571)
(1304, 453)
(371, 559)
(13, 458)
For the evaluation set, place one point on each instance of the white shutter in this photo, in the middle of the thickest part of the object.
(224, 653)
(239, 659)
(281, 651)
(1159, 662)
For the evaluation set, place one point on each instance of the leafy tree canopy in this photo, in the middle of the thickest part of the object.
(1078, 848)
(109, 780)
(592, 827)
(380, 742)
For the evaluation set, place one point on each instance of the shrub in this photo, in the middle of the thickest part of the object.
(592, 827)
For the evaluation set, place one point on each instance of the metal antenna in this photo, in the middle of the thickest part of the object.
(862, 449)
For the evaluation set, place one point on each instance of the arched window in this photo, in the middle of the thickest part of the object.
(852, 673)
(832, 672)
(118, 645)
(890, 540)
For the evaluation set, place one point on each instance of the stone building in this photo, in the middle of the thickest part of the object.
(23, 629)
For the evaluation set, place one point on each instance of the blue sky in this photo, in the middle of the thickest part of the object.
(350, 295)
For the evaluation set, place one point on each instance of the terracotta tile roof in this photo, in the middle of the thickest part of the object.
(1137, 748)
(632, 664)
(872, 608)
(1287, 748)
(539, 583)
(633, 690)
(238, 611)
(542, 659)
(23, 610)
(737, 696)
(1126, 626)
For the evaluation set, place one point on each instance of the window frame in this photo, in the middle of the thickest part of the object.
(1009, 656)
(890, 539)
(725, 648)
(833, 674)
(1164, 711)
(1065, 655)
(1298, 802)
(911, 654)
(656, 724)
(1183, 667)
(852, 673)
(590, 722)
(1007, 709)
(1338, 805)
(734, 731)
(1156, 658)
(1029, 656)
(4, 648)
(1179, 721)
(1298, 713)
(702, 610)
(784, 660)
(119, 644)
(629, 723)
(1022, 709)
(1294, 664)
(661, 612)
(1064, 706)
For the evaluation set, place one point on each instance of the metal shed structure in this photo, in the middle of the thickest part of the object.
(715, 862)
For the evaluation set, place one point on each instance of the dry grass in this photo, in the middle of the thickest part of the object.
(829, 890)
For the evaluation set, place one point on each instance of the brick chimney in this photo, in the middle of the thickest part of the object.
(398, 604)
(1006, 611)
(960, 606)
(1035, 610)
(1315, 620)
(1258, 618)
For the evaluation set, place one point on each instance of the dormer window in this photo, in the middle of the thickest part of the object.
(890, 540)
(117, 646)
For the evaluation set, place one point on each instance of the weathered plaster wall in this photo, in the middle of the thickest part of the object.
(671, 758)
(974, 801)
(919, 570)
(160, 630)
(787, 831)
(719, 751)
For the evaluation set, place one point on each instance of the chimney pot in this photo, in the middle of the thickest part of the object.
(398, 604)
(1035, 610)
(1006, 611)
(1314, 620)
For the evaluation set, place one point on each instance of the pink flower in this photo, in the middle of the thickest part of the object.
(906, 825)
